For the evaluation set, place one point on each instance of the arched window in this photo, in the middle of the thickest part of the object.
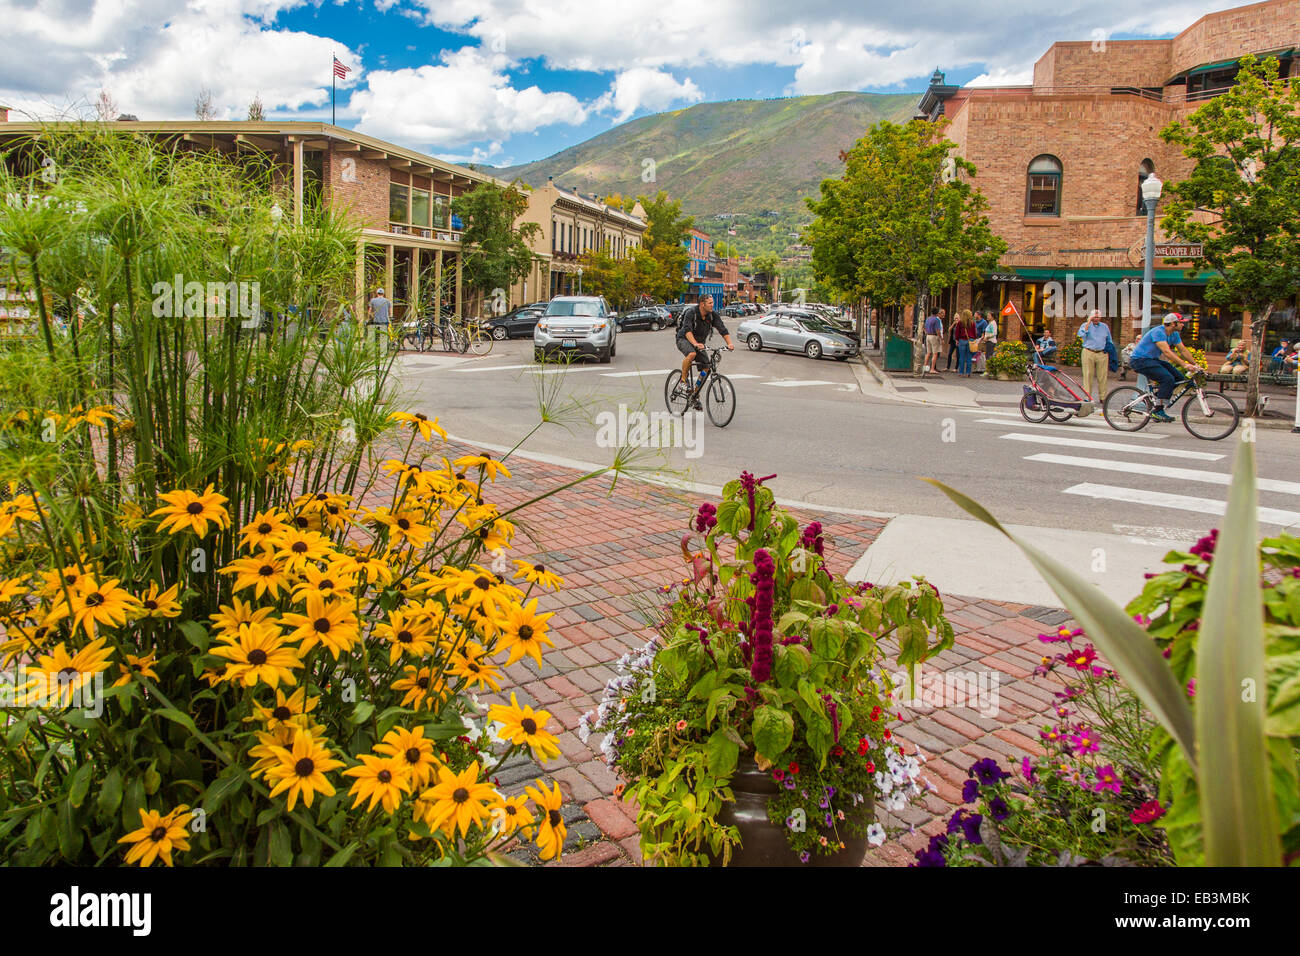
(1144, 170)
(1043, 195)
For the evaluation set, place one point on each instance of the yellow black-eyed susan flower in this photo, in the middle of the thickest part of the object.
(415, 752)
(300, 771)
(159, 835)
(524, 632)
(259, 653)
(381, 779)
(551, 831)
(186, 510)
(523, 726)
(459, 801)
(538, 574)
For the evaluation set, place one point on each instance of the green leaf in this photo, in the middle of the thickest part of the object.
(196, 634)
(1115, 634)
(80, 784)
(361, 712)
(110, 793)
(722, 754)
(281, 848)
(175, 716)
(1237, 808)
(342, 856)
(773, 731)
(229, 782)
(70, 836)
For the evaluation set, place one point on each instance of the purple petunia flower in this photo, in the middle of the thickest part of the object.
(970, 791)
(933, 854)
(998, 809)
(987, 771)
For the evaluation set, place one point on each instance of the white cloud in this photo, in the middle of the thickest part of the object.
(642, 88)
(466, 98)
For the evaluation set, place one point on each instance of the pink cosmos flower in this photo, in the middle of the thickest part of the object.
(1107, 779)
(1083, 742)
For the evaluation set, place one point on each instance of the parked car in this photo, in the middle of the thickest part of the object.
(733, 311)
(515, 323)
(644, 318)
(789, 331)
(674, 310)
(576, 325)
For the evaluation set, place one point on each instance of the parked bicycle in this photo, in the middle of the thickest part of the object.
(1211, 416)
(711, 387)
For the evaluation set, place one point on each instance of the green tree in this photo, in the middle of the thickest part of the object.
(767, 266)
(665, 234)
(620, 202)
(1246, 143)
(903, 220)
(495, 245)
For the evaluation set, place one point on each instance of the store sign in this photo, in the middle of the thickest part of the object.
(1005, 277)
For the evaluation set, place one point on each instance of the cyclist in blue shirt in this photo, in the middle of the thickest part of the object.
(1154, 357)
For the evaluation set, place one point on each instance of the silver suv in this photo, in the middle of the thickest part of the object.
(576, 325)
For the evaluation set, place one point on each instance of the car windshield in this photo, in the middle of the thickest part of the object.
(573, 308)
(818, 325)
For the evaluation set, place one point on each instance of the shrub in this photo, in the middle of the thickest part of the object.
(1071, 354)
(1009, 358)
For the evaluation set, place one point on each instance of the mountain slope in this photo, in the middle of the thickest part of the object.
(741, 157)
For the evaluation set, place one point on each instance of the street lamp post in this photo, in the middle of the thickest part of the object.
(1151, 189)
(579, 280)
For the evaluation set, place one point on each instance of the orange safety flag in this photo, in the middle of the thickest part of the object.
(1009, 309)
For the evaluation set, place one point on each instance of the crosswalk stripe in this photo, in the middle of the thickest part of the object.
(1163, 499)
(560, 369)
(652, 371)
(1110, 446)
(1153, 436)
(797, 384)
(490, 368)
(741, 375)
(1163, 471)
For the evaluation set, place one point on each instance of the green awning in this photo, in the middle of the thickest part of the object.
(1225, 64)
(1162, 276)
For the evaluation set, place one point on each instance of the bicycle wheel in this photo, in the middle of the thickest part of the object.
(1216, 419)
(676, 395)
(1059, 414)
(480, 344)
(1034, 415)
(720, 400)
(1127, 408)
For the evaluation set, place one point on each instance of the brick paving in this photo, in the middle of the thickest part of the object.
(615, 546)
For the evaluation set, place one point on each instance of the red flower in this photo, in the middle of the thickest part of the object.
(778, 774)
(871, 766)
(794, 767)
(837, 751)
(889, 734)
(1148, 812)
(875, 713)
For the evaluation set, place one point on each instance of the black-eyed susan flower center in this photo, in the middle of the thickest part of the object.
(405, 637)
(257, 657)
(553, 817)
(322, 625)
(421, 416)
(529, 725)
(70, 578)
(422, 683)
(404, 524)
(95, 599)
(301, 521)
(473, 667)
(482, 583)
(157, 833)
(461, 795)
(384, 776)
(266, 570)
(539, 568)
(298, 547)
(69, 672)
(526, 632)
(412, 755)
(304, 767)
(151, 604)
(195, 508)
(321, 496)
(511, 809)
(282, 713)
(264, 528)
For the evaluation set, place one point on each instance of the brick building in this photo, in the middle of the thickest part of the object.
(1061, 163)
(571, 225)
(410, 243)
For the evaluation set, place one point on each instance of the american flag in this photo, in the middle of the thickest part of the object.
(340, 70)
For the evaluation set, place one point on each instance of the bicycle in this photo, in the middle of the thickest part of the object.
(1211, 416)
(719, 394)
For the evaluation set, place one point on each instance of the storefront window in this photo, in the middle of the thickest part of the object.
(420, 207)
(1044, 193)
(399, 202)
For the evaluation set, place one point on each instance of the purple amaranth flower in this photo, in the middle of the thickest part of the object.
(763, 579)
(1204, 549)
(750, 483)
(706, 518)
(1107, 779)
(812, 538)
(1027, 769)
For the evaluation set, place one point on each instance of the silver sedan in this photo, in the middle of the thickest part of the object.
(790, 333)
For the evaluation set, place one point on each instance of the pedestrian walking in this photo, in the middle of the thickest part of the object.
(952, 344)
(989, 340)
(964, 333)
(933, 342)
(1094, 358)
(977, 353)
(379, 311)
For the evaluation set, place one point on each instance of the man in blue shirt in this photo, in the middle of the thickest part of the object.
(1154, 356)
(1095, 334)
(933, 342)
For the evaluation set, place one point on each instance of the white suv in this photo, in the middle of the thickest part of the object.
(576, 325)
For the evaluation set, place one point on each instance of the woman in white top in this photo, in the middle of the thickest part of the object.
(990, 340)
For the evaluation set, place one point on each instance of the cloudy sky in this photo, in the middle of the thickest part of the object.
(505, 81)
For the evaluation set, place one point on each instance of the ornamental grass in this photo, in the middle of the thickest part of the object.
(247, 608)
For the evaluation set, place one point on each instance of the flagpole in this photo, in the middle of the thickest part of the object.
(333, 93)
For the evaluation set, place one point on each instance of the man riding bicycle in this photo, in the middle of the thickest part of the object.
(693, 330)
(1154, 355)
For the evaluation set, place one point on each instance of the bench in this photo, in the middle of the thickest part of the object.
(1226, 381)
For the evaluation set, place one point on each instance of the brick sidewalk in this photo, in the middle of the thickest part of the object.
(613, 548)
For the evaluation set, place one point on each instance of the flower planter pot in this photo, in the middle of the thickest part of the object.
(1007, 377)
(763, 843)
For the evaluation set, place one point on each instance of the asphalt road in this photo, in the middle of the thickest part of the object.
(810, 423)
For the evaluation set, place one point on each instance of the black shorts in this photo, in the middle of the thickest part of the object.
(685, 347)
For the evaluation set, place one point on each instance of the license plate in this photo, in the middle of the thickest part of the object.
(568, 343)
